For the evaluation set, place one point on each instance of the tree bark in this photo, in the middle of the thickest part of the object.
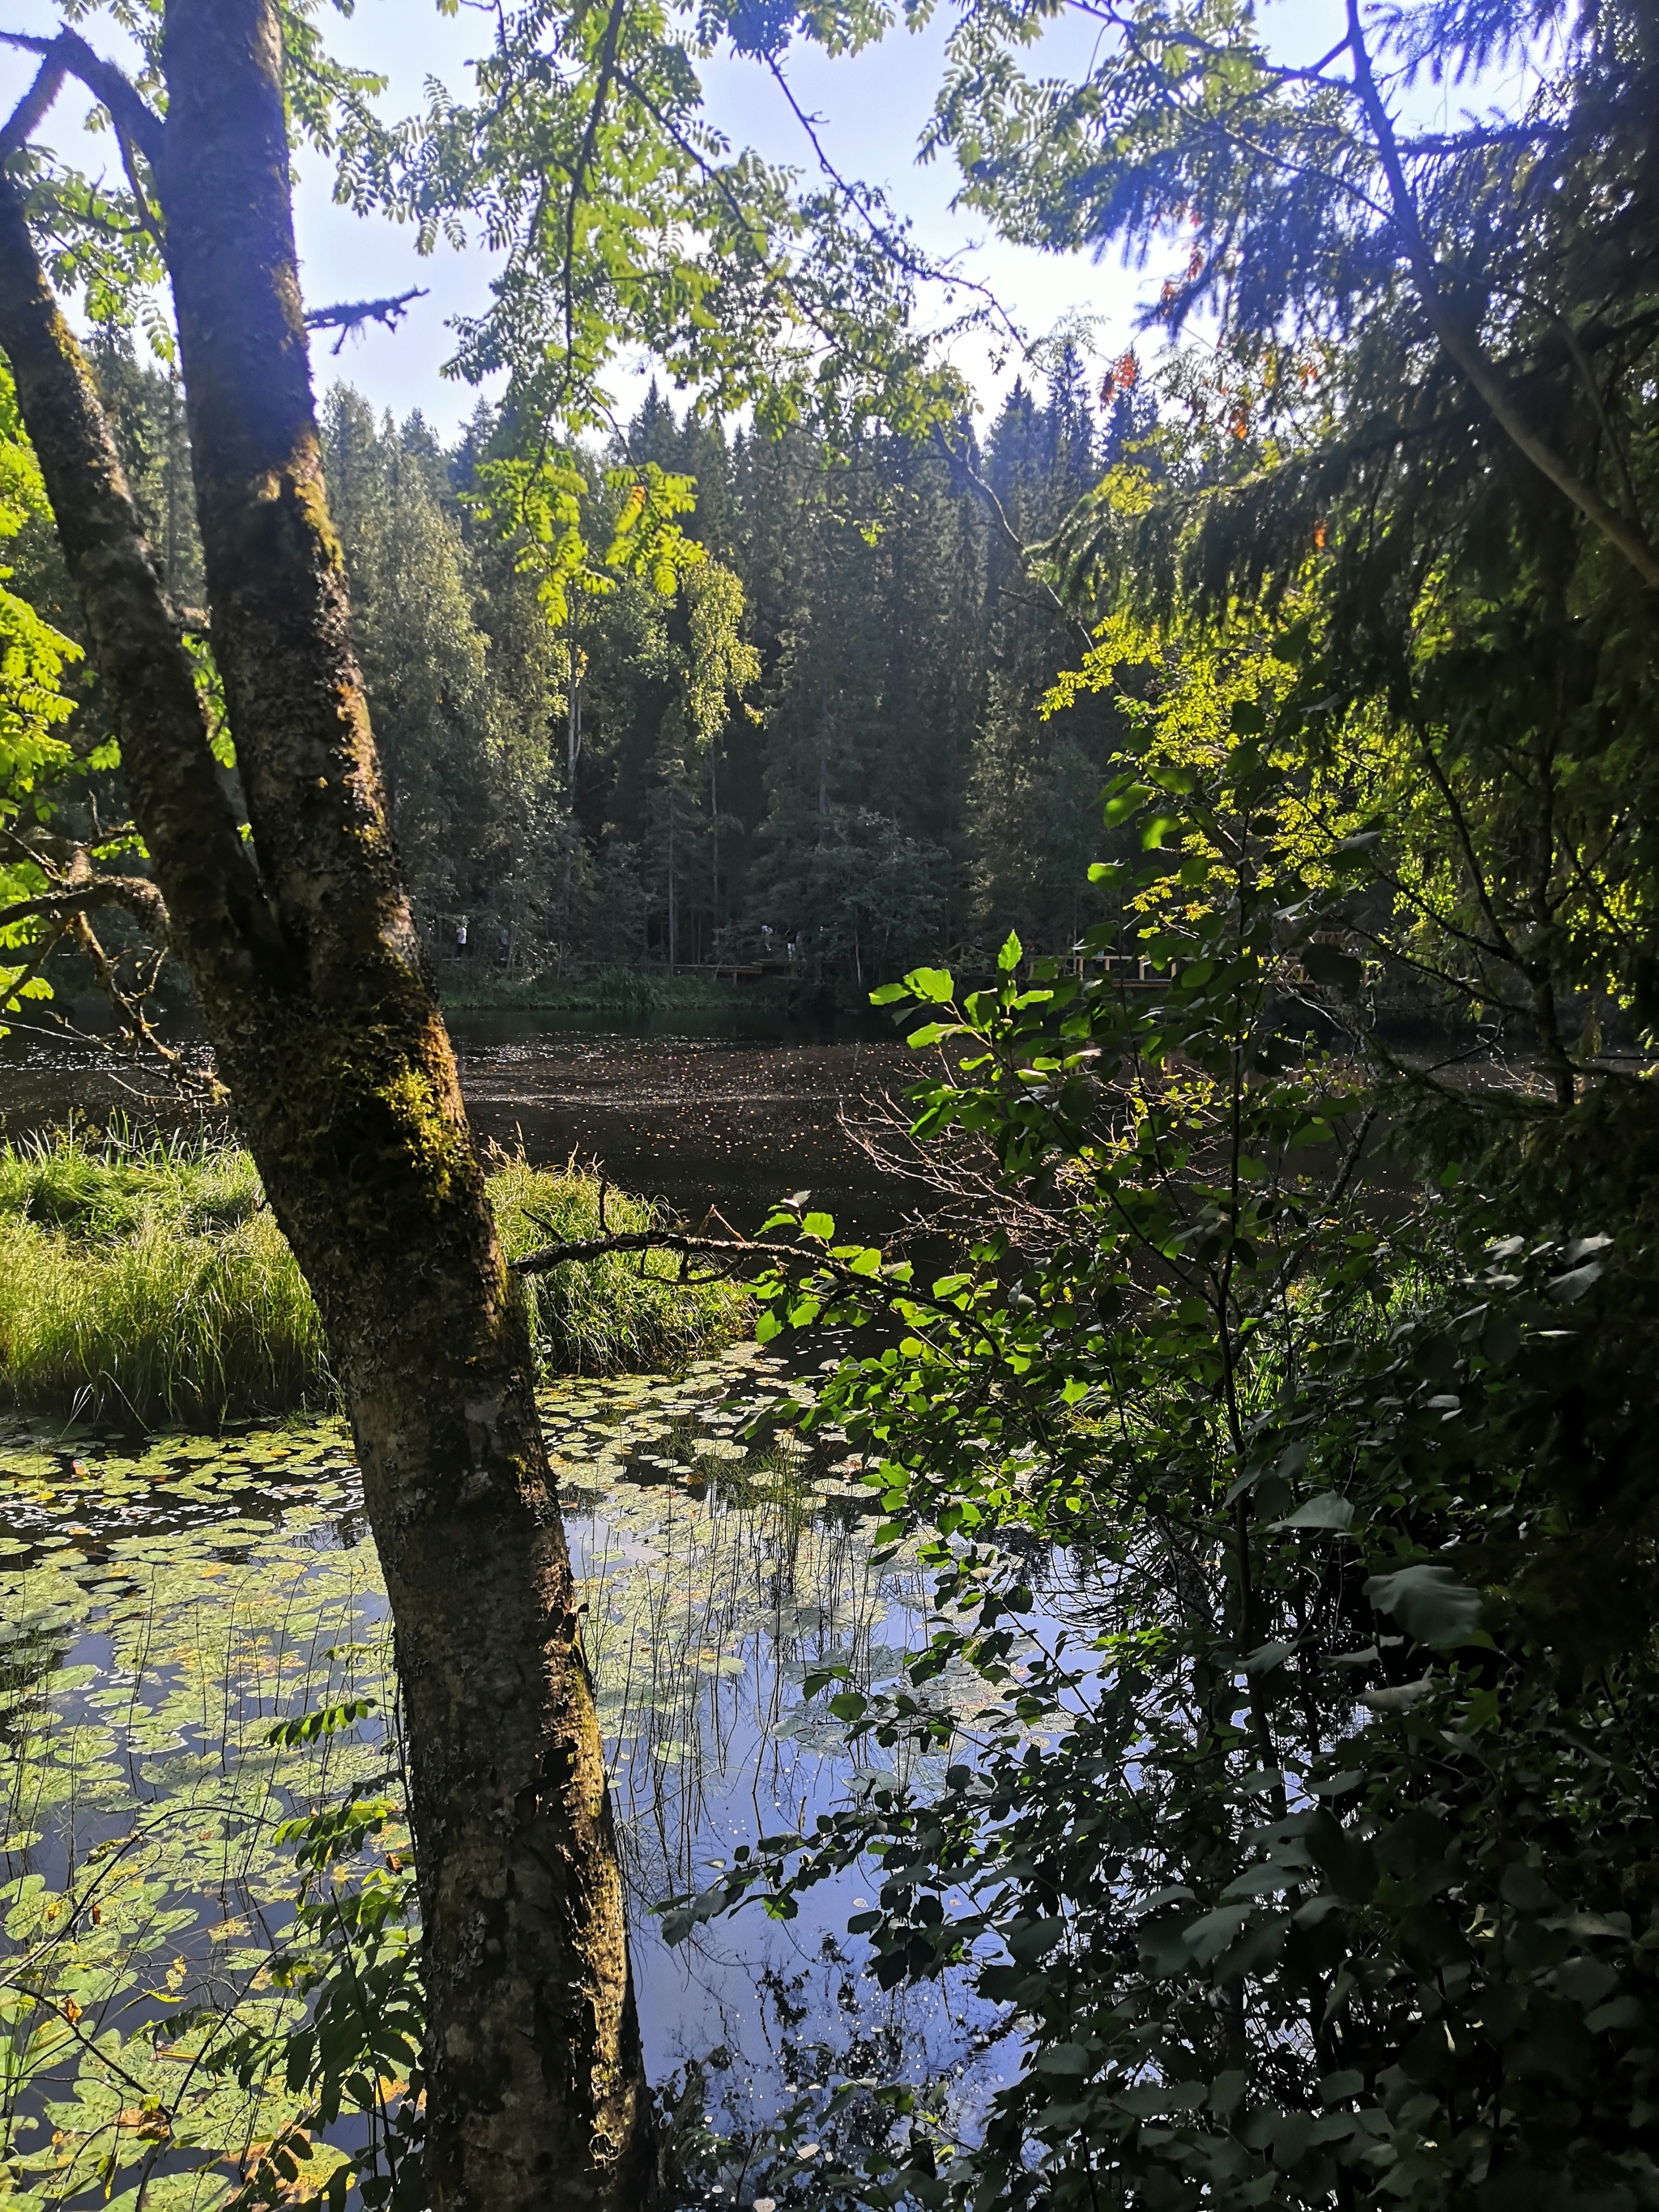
(307, 967)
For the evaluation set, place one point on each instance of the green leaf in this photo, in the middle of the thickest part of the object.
(1335, 2088)
(937, 986)
(889, 994)
(1066, 2058)
(1327, 1510)
(1430, 1603)
(1150, 2099)
(1567, 1290)
(1124, 802)
(1226, 2091)
(1012, 951)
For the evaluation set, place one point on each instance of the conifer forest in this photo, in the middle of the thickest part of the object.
(833, 741)
(829, 1161)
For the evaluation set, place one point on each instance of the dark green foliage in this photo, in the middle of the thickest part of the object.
(887, 785)
(1314, 1863)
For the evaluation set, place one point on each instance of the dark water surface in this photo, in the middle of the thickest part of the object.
(730, 1121)
(730, 1116)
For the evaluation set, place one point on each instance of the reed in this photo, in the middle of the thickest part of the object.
(144, 1282)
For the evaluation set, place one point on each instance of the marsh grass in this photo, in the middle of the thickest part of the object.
(626, 1314)
(145, 1282)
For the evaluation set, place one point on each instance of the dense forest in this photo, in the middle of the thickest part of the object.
(868, 774)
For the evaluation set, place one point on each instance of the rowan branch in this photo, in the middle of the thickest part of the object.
(69, 54)
(578, 174)
(899, 251)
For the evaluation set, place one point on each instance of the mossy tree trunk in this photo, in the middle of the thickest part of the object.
(305, 962)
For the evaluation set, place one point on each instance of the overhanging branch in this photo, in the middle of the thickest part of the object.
(69, 55)
(1462, 343)
(732, 1250)
(135, 895)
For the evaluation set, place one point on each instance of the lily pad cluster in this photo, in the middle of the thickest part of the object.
(167, 1605)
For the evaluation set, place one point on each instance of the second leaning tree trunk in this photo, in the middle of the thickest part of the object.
(305, 962)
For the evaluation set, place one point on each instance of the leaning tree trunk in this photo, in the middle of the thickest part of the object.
(305, 962)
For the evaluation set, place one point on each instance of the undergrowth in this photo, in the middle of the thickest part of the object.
(145, 1281)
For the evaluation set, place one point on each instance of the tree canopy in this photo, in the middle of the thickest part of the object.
(1302, 1328)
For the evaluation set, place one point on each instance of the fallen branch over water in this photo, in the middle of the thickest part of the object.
(641, 1240)
(730, 1250)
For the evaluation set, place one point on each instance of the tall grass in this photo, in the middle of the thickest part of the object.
(625, 1314)
(146, 1282)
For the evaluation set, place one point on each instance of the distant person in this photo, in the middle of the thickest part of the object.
(461, 939)
(766, 941)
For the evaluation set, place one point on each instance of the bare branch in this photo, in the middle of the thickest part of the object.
(1074, 623)
(732, 1250)
(899, 250)
(137, 895)
(352, 314)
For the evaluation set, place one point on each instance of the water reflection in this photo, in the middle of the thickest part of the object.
(164, 1605)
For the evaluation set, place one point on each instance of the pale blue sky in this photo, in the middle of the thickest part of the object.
(873, 108)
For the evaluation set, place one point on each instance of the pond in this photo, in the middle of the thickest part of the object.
(165, 1606)
(162, 1606)
(726, 1114)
